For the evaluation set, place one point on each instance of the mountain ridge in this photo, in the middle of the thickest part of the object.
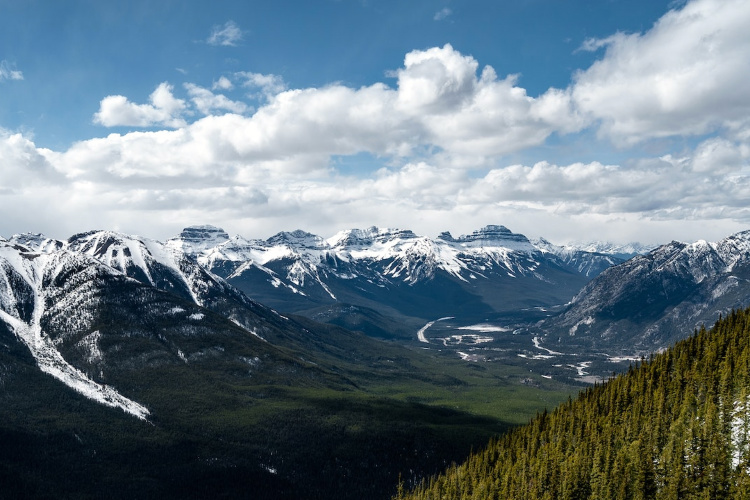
(644, 301)
(384, 269)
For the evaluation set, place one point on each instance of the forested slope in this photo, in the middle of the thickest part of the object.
(675, 426)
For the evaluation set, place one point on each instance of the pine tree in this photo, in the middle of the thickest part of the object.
(675, 426)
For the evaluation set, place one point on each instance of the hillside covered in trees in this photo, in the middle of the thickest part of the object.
(674, 426)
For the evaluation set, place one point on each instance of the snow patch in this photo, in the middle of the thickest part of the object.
(484, 328)
(468, 357)
(472, 339)
(586, 321)
(51, 362)
(90, 343)
(581, 368)
(740, 433)
(33, 269)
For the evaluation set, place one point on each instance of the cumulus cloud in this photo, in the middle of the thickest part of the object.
(686, 76)
(440, 103)
(223, 83)
(227, 35)
(23, 165)
(165, 109)
(206, 101)
(268, 85)
(465, 114)
(8, 73)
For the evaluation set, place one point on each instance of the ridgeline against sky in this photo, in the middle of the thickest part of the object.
(617, 120)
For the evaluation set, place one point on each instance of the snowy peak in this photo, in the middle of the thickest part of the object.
(132, 256)
(37, 242)
(735, 249)
(194, 240)
(702, 258)
(495, 236)
(150, 262)
(625, 251)
(650, 299)
(360, 238)
(374, 252)
(298, 239)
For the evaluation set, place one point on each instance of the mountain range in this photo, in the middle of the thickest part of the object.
(230, 394)
(241, 337)
(491, 272)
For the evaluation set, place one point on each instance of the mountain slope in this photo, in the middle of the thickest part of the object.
(677, 426)
(651, 300)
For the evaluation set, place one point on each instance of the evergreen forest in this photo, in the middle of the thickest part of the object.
(675, 426)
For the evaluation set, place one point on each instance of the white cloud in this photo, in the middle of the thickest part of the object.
(436, 80)
(154, 182)
(206, 101)
(268, 85)
(8, 73)
(227, 35)
(469, 116)
(686, 76)
(442, 14)
(165, 109)
(23, 165)
(440, 104)
(223, 83)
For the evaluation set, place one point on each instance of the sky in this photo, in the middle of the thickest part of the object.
(574, 121)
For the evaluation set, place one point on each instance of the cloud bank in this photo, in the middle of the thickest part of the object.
(441, 130)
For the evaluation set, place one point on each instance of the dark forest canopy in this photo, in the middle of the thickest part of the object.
(674, 426)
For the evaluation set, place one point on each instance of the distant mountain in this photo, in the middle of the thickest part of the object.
(624, 251)
(650, 301)
(396, 272)
(677, 426)
(592, 260)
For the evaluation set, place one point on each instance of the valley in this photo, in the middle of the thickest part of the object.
(516, 345)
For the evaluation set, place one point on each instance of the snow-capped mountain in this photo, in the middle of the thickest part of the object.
(100, 309)
(589, 262)
(492, 270)
(652, 300)
(624, 251)
(34, 290)
(71, 303)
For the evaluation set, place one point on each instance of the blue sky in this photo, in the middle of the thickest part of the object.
(576, 120)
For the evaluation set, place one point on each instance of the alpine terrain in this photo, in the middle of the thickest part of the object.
(160, 369)
(127, 370)
(357, 274)
(652, 300)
